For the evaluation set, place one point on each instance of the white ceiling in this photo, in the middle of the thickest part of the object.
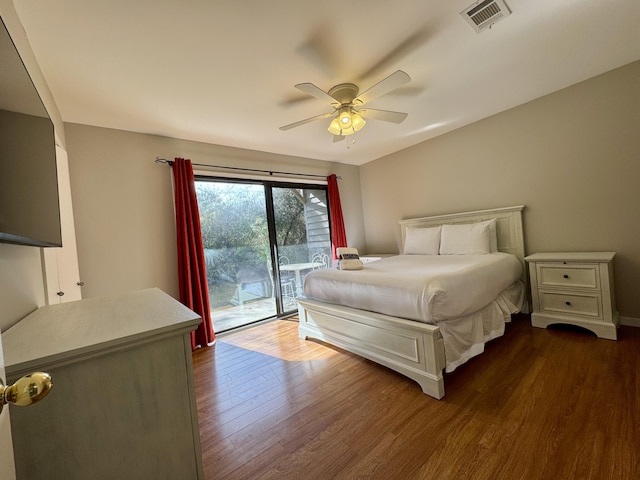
(223, 71)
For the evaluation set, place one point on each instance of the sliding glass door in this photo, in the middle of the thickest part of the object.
(302, 242)
(260, 239)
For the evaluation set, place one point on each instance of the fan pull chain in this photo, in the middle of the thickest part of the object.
(352, 141)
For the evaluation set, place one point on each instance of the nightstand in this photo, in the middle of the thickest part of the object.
(574, 288)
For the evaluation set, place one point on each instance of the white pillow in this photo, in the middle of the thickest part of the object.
(493, 235)
(466, 239)
(422, 241)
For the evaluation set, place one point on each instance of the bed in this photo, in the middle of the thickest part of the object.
(414, 340)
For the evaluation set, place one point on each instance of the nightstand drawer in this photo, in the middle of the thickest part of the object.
(565, 303)
(573, 276)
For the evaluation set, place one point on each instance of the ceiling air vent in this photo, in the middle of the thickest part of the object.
(484, 14)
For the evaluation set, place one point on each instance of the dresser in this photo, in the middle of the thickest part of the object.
(574, 288)
(123, 400)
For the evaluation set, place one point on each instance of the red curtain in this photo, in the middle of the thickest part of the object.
(338, 235)
(192, 275)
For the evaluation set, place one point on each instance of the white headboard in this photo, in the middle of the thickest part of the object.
(508, 228)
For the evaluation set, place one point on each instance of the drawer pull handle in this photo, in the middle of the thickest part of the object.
(568, 303)
(566, 276)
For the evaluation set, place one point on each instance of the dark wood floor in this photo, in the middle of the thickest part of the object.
(538, 404)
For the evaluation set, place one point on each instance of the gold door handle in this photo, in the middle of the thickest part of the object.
(29, 389)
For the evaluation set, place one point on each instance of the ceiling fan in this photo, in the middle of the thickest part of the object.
(347, 116)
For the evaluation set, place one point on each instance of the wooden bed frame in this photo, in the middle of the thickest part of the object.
(411, 348)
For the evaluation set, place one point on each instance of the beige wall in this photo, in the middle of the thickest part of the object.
(572, 158)
(123, 203)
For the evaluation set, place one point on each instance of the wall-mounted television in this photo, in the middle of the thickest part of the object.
(29, 206)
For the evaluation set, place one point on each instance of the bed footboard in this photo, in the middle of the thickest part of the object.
(413, 349)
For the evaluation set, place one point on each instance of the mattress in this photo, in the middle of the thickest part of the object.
(425, 288)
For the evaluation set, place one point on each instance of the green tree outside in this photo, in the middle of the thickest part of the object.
(234, 227)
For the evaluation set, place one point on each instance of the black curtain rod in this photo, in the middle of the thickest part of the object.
(270, 172)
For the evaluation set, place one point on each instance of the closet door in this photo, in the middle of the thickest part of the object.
(62, 274)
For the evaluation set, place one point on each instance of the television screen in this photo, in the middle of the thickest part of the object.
(29, 207)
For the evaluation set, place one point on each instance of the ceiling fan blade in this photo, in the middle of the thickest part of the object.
(306, 120)
(338, 138)
(311, 89)
(393, 81)
(408, 45)
(294, 100)
(386, 115)
(319, 51)
(407, 91)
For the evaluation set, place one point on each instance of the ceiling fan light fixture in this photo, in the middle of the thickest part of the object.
(334, 127)
(337, 128)
(345, 117)
(357, 121)
(347, 122)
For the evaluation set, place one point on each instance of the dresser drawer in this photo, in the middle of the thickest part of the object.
(566, 303)
(565, 275)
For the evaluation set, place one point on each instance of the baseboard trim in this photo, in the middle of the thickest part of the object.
(630, 322)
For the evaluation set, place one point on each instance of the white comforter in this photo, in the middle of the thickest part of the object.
(427, 288)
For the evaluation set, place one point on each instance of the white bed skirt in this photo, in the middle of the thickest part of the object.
(465, 337)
